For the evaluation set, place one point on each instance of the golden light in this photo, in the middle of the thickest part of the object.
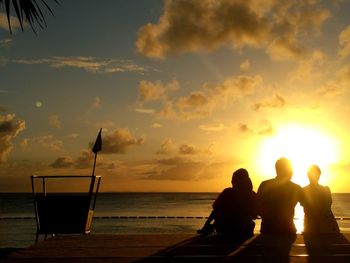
(303, 146)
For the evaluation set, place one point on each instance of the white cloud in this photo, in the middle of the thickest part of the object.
(89, 64)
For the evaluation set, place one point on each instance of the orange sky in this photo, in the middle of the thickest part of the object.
(185, 91)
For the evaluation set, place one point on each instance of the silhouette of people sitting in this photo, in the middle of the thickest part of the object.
(235, 209)
(277, 199)
(317, 201)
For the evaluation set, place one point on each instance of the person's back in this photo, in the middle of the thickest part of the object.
(235, 211)
(277, 200)
(317, 201)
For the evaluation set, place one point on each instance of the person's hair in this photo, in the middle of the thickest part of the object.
(284, 169)
(314, 173)
(241, 180)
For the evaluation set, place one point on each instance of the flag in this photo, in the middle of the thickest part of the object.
(98, 143)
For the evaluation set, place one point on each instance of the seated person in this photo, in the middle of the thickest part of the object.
(317, 201)
(234, 209)
(277, 199)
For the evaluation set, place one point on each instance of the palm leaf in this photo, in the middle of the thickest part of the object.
(29, 11)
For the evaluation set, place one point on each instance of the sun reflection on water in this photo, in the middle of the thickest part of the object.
(299, 218)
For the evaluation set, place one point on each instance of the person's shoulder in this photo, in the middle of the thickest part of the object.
(295, 186)
(267, 182)
(227, 190)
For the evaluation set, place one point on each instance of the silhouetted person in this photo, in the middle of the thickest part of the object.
(235, 209)
(317, 201)
(277, 199)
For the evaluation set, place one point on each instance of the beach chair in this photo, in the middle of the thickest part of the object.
(64, 213)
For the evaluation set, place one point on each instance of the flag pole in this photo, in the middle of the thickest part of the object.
(93, 168)
(95, 149)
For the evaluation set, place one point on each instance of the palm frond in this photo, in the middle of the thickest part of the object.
(27, 11)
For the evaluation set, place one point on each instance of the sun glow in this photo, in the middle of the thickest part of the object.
(303, 146)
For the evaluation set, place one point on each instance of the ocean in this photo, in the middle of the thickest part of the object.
(130, 213)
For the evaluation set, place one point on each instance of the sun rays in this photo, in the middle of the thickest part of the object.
(304, 146)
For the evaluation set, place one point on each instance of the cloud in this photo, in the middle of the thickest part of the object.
(157, 125)
(167, 146)
(201, 103)
(5, 42)
(188, 149)
(145, 111)
(24, 144)
(276, 102)
(119, 141)
(344, 42)
(285, 49)
(262, 128)
(215, 127)
(10, 127)
(63, 162)
(55, 121)
(14, 22)
(49, 142)
(176, 169)
(84, 161)
(245, 65)
(308, 69)
(152, 91)
(337, 86)
(97, 103)
(73, 135)
(194, 26)
(184, 169)
(89, 64)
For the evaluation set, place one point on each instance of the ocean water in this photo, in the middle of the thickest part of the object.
(135, 213)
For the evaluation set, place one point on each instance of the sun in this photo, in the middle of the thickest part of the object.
(303, 146)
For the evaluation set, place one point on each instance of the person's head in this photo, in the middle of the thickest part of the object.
(284, 169)
(314, 173)
(241, 181)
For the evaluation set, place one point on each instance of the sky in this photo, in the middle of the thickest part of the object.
(185, 92)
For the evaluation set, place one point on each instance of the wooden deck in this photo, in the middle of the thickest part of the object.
(184, 248)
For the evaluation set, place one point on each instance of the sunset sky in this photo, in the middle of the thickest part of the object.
(185, 91)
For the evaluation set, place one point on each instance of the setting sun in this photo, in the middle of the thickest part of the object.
(303, 146)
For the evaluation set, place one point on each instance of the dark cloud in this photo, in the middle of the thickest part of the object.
(188, 149)
(63, 162)
(262, 128)
(192, 26)
(84, 161)
(10, 127)
(119, 141)
(184, 169)
(276, 102)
